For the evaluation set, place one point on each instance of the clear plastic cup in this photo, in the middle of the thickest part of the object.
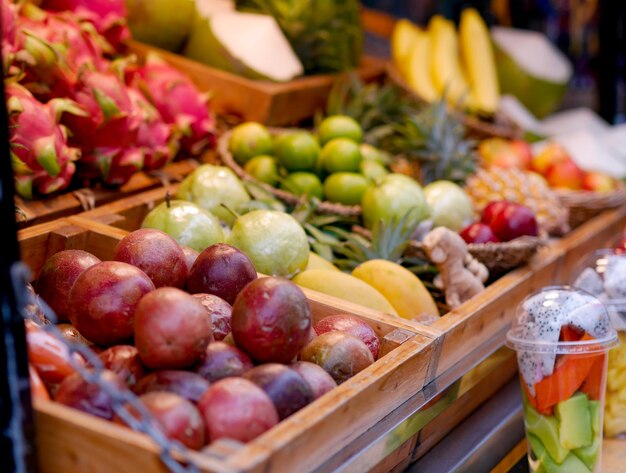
(561, 336)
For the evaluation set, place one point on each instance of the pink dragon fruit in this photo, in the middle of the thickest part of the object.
(111, 121)
(114, 166)
(108, 16)
(9, 27)
(179, 102)
(56, 49)
(38, 143)
(155, 137)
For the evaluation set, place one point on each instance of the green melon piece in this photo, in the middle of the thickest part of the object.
(546, 430)
(595, 412)
(574, 422)
(531, 68)
(247, 44)
(589, 455)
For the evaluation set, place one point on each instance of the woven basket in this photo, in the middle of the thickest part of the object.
(584, 205)
(291, 199)
(476, 127)
(501, 257)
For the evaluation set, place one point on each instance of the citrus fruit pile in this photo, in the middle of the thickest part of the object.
(332, 164)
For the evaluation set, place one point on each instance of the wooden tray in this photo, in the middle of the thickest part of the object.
(271, 103)
(69, 440)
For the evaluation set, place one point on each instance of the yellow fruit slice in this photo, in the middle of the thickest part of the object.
(402, 40)
(418, 74)
(445, 64)
(399, 286)
(317, 262)
(344, 286)
(480, 65)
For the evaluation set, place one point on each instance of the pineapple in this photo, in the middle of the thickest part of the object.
(522, 187)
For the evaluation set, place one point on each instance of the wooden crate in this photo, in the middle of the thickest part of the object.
(72, 441)
(271, 103)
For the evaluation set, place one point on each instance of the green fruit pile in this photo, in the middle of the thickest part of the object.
(333, 164)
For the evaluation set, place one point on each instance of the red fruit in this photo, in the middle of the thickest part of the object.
(238, 409)
(37, 387)
(565, 175)
(190, 255)
(221, 270)
(187, 385)
(219, 312)
(524, 153)
(75, 392)
(103, 301)
(124, 361)
(172, 329)
(70, 333)
(271, 320)
(593, 385)
(287, 389)
(49, 356)
(157, 254)
(513, 222)
(478, 233)
(318, 380)
(492, 209)
(221, 360)
(353, 326)
(598, 182)
(57, 276)
(113, 166)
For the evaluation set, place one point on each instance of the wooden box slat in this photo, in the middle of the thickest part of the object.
(85, 443)
(271, 103)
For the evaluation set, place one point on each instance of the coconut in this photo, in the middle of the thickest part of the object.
(531, 68)
(247, 44)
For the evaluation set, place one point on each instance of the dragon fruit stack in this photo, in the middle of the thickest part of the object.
(123, 117)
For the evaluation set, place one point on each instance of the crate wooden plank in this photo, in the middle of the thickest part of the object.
(85, 443)
(272, 103)
(33, 212)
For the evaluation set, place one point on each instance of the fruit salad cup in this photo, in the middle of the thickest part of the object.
(603, 274)
(561, 336)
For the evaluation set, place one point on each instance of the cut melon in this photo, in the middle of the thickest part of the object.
(247, 44)
(531, 68)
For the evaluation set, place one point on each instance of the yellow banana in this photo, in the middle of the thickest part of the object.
(401, 287)
(477, 55)
(344, 286)
(402, 39)
(445, 65)
(418, 74)
(317, 262)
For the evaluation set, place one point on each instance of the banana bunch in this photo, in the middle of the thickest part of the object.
(378, 284)
(441, 60)
(615, 409)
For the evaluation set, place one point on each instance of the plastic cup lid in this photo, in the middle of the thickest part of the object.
(541, 316)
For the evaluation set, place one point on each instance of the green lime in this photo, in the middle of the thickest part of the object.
(341, 155)
(371, 153)
(372, 170)
(263, 168)
(274, 241)
(298, 151)
(345, 187)
(303, 183)
(249, 140)
(339, 126)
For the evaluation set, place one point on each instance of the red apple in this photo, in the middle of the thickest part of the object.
(492, 209)
(124, 361)
(219, 312)
(157, 254)
(238, 409)
(565, 175)
(271, 320)
(598, 182)
(172, 329)
(352, 325)
(103, 301)
(58, 275)
(222, 270)
(75, 392)
(513, 222)
(478, 233)
(189, 385)
(221, 360)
